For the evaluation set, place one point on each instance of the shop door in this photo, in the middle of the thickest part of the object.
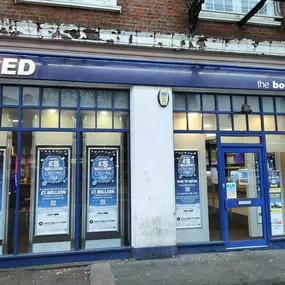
(244, 223)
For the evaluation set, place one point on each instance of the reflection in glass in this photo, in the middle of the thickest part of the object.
(194, 103)
(280, 104)
(50, 96)
(88, 98)
(49, 118)
(104, 99)
(31, 96)
(88, 119)
(225, 122)
(30, 118)
(208, 102)
(68, 97)
(267, 104)
(209, 121)
(9, 117)
(224, 103)
(238, 101)
(179, 102)
(67, 118)
(121, 120)
(253, 101)
(10, 95)
(121, 99)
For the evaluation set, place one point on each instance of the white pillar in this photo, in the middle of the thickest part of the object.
(152, 175)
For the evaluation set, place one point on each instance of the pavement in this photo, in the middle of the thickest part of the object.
(266, 267)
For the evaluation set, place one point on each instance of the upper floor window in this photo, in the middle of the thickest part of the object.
(234, 10)
(104, 5)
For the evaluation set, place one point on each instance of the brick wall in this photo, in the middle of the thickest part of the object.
(162, 16)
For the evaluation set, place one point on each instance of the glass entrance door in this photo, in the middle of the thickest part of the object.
(242, 191)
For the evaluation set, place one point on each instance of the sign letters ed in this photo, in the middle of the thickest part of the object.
(15, 66)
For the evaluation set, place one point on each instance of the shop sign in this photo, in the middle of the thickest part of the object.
(187, 190)
(102, 212)
(15, 66)
(53, 191)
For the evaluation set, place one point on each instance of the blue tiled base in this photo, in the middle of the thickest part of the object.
(154, 252)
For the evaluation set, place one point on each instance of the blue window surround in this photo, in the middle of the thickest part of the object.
(57, 67)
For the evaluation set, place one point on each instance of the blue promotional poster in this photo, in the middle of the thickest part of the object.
(103, 169)
(53, 191)
(188, 209)
(276, 213)
(2, 192)
(274, 181)
(243, 177)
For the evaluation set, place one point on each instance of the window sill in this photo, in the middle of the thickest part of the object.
(72, 5)
(219, 16)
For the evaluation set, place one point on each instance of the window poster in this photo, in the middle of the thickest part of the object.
(2, 179)
(231, 190)
(243, 177)
(188, 207)
(274, 181)
(103, 169)
(52, 191)
(276, 212)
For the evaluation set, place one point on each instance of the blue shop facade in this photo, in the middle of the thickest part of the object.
(104, 158)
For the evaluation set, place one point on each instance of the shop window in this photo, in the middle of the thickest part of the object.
(88, 98)
(180, 122)
(104, 99)
(194, 102)
(281, 123)
(68, 97)
(280, 104)
(239, 122)
(238, 101)
(31, 96)
(208, 102)
(121, 99)
(275, 148)
(240, 140)
(197, 195)
(194, 121)
(267, 103)
(30, 118)
(179, 102)
(224, 103)
(254, 122)
(209, 122)
(121, 120)
(88, 119)
(68, 118)
(269, 123)
(253, 101)
(50, 96)
(225, 122)
(9, 117)
(104, 120)
(10, 95)
(49, 118)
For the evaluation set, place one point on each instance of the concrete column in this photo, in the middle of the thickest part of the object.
(152, 175)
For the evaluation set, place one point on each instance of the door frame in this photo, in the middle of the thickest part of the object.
(262, 201)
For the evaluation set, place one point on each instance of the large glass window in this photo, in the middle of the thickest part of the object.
(70, 148)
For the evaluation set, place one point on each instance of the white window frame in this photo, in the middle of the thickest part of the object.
(103, 5)
(225, 16)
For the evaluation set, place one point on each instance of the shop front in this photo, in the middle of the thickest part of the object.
(118, 158)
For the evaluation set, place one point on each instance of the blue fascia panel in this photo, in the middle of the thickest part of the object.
(143, 72)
